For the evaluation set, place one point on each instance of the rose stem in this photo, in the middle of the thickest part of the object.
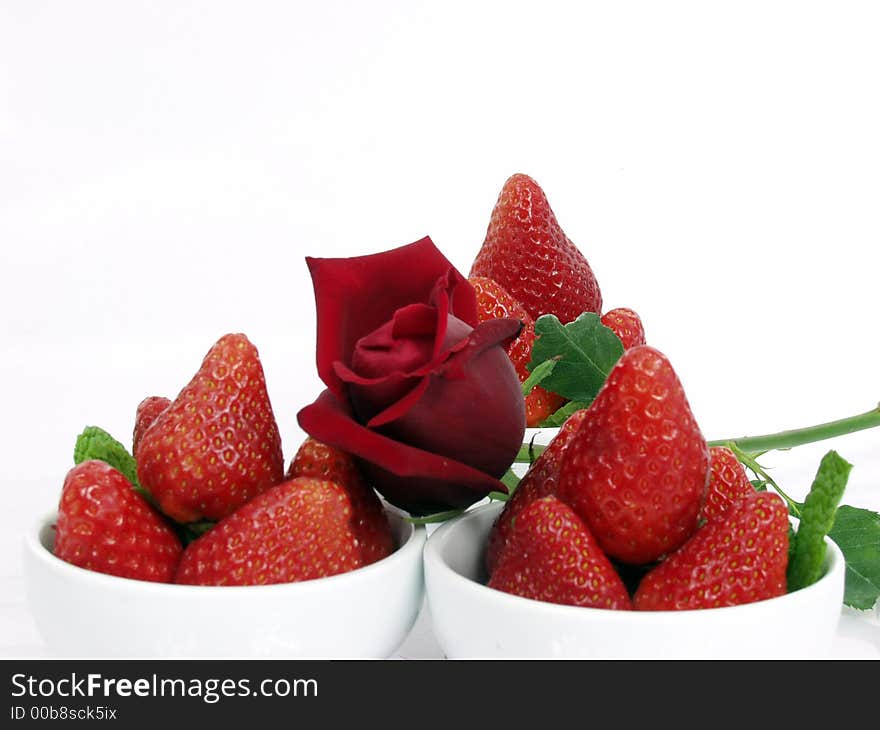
(768, 442)
(799, 436)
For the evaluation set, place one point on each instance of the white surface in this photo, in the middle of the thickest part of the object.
(164, 168)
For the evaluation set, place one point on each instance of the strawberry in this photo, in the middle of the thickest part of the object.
(298, 530)
(494, 302)
(528, 254)
(626, 324)
(737, 558)
(217, 445)
(105, 526)
(369, 521)
(551, 556)
(148, 410)
(539, 481)
(636, 471)
(727, 483)
(540, 405)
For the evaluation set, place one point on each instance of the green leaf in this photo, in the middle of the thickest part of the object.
(511, 481)
(96, 443)
(585, 351)
(561, 416)
(816, 520)
(857, 533)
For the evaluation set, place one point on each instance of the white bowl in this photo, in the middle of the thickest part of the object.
(473, 620)
(365, 613)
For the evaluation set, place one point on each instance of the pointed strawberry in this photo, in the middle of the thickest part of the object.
(105, 526)
(636, 471)
(728, 483)
(494, 302)
(369, 520)
(740, 557)
(527, 253)
(148, 410)
(217, 445)
(551, 556)
(627, 325)
(539, 481)
(298, 530)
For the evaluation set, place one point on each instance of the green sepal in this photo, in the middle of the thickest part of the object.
(557, 419)
(816, 521)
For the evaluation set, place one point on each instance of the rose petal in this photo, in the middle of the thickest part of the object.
(413, 479)
(485, 335)
(473, 412)
(381, 400)
(355, 296)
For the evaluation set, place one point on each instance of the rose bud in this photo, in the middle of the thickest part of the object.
(422, 394)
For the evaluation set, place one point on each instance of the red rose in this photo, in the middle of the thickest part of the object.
(422, 394)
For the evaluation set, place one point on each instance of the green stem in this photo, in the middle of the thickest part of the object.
(749, 461)
(800, 436)
(771, 441)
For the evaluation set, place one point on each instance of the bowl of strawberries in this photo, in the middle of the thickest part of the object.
(198, 542)
(472, 619)
(630, 537)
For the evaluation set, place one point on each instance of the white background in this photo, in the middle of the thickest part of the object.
(165, 167)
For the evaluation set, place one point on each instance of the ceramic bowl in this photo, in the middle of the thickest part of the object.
(365, 613)
(473, 620)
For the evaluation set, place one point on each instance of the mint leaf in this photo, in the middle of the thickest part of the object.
(585, 351)
(96, 443)
(816, 520)
(561, 416)
(857, 533)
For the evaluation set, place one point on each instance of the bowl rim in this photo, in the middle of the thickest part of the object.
(834, 565)
(413, 543)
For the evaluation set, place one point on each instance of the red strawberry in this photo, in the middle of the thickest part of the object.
(148, 410)
(527, 253)
(738, 558)
(551, 556)
(104, 525)
(539, 481)
(494, 302)
(369, 521)
(217, 446)
(540, 405)
(728, 483)
(298, 530)
(636, 471)
(627, 325)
